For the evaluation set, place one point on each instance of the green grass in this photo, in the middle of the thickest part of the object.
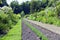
(36, 31)
(14, 33)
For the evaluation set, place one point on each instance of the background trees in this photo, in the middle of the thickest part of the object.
(26, 7)
(15, 6)
(3, 3)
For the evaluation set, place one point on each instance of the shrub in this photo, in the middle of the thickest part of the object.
(42, 13)
(58, 10)
(4, 21)
(49, 15)
(7, 19)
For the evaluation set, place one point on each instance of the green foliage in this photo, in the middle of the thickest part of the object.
(7, 10)
(49, 15)
(15, 33)
(57, 3)
(42, 13)
(16, 7)
(50, 12)
(44, 1)
(35, 6)
(7, 18)
(22, 14)
(26, 16)
(58, 10)
(4, 21)
(3, 3)
(0, 1)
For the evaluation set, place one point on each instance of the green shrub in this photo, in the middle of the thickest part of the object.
(7, 19)
(49, 15)
(58, 10)
(4, 21)
(42, 13)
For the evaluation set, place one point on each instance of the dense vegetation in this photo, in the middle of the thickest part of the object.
(7, 19)
(29, 6)
(46, 11)
(3, 3)
(50, 14)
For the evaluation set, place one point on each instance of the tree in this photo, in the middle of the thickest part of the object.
(26, 7)
(35, 6)
(52, 3)
(0, 1)
(45, 3)
(16, 7)
(7, 19)
(3, 3)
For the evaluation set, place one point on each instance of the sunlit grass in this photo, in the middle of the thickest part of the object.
(14, 33)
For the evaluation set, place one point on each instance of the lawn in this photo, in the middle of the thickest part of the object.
(14, 33)
(36, 31)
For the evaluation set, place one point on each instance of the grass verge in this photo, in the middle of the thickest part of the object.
(36, 31)
(14, 33)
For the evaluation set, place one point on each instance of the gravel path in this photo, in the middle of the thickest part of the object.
(50, 35)
(28, 34)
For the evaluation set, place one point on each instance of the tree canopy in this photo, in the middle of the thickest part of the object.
(3, 3)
